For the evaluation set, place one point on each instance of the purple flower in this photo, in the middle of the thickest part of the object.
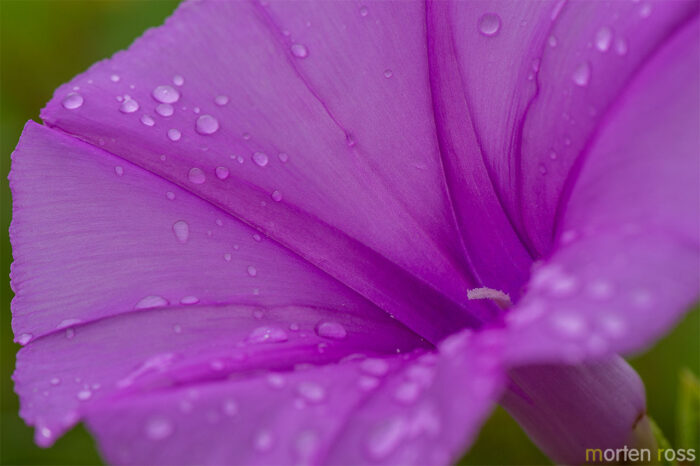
(291, 233)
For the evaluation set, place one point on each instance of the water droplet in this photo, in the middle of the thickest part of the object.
(407, 393)
(230, 408)
(178, 80)
(283, 157)
(267, 335)
(166, 94)
(388, 73)
(174, 134)
(24, 338)
(263, 441)
(222, 173)
(275, 380)
(196, 175)
(207, 124)
(552, 41)
(620, 46)
(177, 328)
(165, 110)
(170, 195)
(553, 155)
(159, 428)
(489, 24)
(252, 271)
(55, 381)
(332, 330)
(147, 120)
(364, 11)
(181, 230)
(260, 158)
(150, 302)
(189, 300)
(542, 169)
(384, 439)
(568, 323)
(221, 100)
(276, 196)
(374, 366)
(119, 170)
(311, 392)
(600, 289)
(129, 105)
(367, 383)
(645, 10)
(72, 101)
(114, 78)
(300, 51)
(612, 324)
(306, 445)
(227, 257)
(257, 237)
(84, 394)
(582, 75)
(603, 39)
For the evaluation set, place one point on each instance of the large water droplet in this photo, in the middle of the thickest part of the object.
(174, 134)
(129, 105)
(72, 101)
(311, 392)
(159, 428)
(165, 110)
(489, 24)
(196, 176)
(582, 75)
(267, 335)
(260, 158)
(150, 302)
(166, 94)
(181, 230)
(207, 124)
(603, 39)
(332, 330)
(300, 50)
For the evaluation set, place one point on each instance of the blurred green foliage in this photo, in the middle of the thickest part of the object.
(44, 43)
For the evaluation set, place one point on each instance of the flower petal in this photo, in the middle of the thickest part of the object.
(385, 411)
(626, 266)
(321, 120)
(534, 90)
(567, 410)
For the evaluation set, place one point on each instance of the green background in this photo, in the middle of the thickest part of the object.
(45, 43)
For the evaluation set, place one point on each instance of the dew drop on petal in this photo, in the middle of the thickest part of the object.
(221, 100)
(332, 330)
(260, 158)
(374, 366)
(114, 78)
(55, 381)
(489, 24)
(174, 134)
(165, 110)
(189, 300)
(388, 73)
(222, 173)
(196, 176)
(582, 75)
(230, 408)
(170, 195)
(275, 380)
(207, 124)
(276, 196)
(267, 335)
(129, 105)
(603, 39)
(283, 157)
(568, 323)
(227, 257)
(178, 80)
(407, 393)
(311, 392)
(166, 94)
(159, 428)
(621, 46)
(84, 395)
(367, 383)
(385, 438)
(150, 302)
(300, 51)
(72, 101)
(24, 338)
(147, 120)
(119, 170)
(181, 230)
(252, 271)
(263, 441)
(552, 41)
(364, 11)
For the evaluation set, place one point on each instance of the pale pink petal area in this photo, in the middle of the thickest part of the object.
(568, 409)
(319, 119)
(420, 408)
(95, 236)
(626, 265)
(535, 81)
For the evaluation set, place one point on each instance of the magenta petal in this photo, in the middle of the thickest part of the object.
(536, 81)
(385, 411)
(626, 265)
(321, 138)
(568, 409)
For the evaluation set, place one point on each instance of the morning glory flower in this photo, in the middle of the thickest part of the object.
(340, 232)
